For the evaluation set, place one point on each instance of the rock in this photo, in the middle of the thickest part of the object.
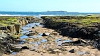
(50, 50)
(25, 47)
(30, 31)
(72, 51)
(96, 44)
(30, 34)
(55, 33)
(76, 43)
(1, 54)
(17, 28)
(3, 28)
(17, 49)
(33, 27)
(44, 51)
(57, 50)
(75, 39)
(24, 22)
(45, 34)
(11, 29)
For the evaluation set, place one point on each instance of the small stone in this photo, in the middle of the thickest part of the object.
(45, 34)
(72, 51)
(24, 47)
(33, 27)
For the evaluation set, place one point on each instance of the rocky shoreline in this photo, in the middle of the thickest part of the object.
(47, 37)
(75, 29)
(10, 33)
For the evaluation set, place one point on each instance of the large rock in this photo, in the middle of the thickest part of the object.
(17, 28)
(11, 29)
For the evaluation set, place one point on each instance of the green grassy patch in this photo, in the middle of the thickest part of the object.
(79, 20)
(4, 21)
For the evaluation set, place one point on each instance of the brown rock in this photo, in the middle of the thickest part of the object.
(17, 28)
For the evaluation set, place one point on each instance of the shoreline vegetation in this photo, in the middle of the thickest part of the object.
(79, 31)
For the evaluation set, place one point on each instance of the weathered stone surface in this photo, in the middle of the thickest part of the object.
(17, 28)
(6, 44)
(11, 29)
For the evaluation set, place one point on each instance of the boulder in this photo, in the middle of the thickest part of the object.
(17, 28)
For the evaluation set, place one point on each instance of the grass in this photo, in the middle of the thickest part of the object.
(81, 21)
(5, 21)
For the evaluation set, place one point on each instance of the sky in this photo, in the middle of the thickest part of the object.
(50, 5)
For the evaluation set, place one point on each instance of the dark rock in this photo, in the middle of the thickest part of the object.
(3, 28)
(96, 44)
(72, 51)
(72, 29)
(45, 34)
(30, 31)
(25, 47)
(33, 27)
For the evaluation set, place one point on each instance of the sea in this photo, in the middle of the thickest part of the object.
(47, 13)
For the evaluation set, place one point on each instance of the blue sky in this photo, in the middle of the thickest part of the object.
(50, 5)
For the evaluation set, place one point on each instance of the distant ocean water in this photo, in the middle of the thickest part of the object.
(52, 13)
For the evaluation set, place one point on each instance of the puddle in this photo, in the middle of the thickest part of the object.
(59, 41)
(67, 41)
(43, 40)
(23, 37)
(31, 25)
(14, 53)
(22, 42)
(81, 53)
(25, 29)
(38, 36)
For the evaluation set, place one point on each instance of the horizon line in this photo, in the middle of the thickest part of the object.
(50, 11)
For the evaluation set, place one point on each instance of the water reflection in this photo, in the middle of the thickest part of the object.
(14, 53)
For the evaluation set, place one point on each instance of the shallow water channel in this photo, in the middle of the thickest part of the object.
(36, 40)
